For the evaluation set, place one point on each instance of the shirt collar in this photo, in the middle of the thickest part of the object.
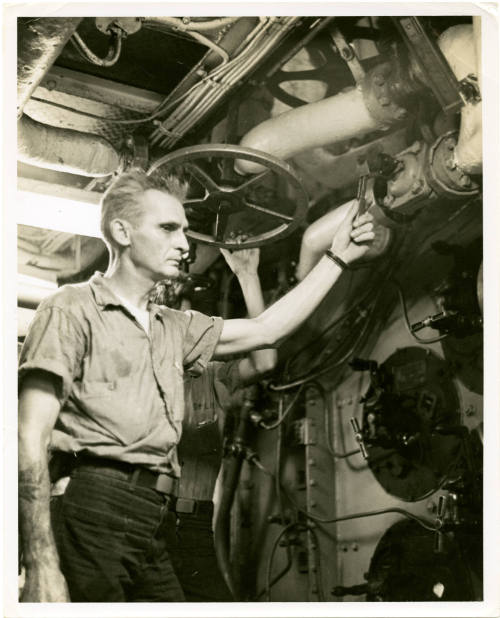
(105, 297)
(103, 294)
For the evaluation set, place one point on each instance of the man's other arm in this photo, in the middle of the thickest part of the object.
(38, 411)
(244, 265)
(351, 242)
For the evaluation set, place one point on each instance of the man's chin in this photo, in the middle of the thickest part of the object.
(170, 272)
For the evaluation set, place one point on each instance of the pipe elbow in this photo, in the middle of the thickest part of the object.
(317, 124)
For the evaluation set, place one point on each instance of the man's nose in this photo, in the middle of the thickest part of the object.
(183, 243)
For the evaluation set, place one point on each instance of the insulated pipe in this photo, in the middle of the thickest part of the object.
(65, 150)
(230, 479)
(337, 118)
(223, 521)
(40, 40)
(461, 46)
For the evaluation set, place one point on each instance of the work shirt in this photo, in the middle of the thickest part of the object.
(207, 399)
(121, 392)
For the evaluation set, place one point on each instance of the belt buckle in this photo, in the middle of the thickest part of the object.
(165, 484)
(185, 505)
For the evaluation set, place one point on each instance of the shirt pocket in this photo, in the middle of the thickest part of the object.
(114, 410)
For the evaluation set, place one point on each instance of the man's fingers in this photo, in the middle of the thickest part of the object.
(366, 227)
(365, 218)
(350, 213)
(365, 237)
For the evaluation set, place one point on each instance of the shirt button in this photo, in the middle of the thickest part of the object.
(111, 386)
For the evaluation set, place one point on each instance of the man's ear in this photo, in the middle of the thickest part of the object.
(120, 231)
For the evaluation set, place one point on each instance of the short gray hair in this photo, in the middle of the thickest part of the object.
(122, 199)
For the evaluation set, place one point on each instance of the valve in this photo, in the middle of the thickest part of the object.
(440, 516)
(359, 437)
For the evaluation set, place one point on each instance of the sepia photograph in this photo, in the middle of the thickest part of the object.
(249, 367)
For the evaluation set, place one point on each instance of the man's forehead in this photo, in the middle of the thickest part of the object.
(163, 205)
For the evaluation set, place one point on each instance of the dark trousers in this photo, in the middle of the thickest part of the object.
(194, 560)
(112, 539)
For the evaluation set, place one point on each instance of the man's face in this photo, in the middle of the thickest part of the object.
(158, 241)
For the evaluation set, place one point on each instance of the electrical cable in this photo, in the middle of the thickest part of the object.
(113, 54)
(222, 53)
(219, 72)
(315, 372)
(391, 260)
(283, 416)
(332, 324)
(178, 24)
(270, 561)
(328, 435)
(231, 73)
(279, 498)
(402, 301)
(421, 521)
(277, 485)
(161, 108)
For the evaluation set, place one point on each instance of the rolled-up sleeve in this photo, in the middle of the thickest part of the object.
(201, 338)
(55, 343)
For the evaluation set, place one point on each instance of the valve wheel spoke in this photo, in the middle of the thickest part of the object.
(227, 206)
(267, 211)
(202, 177)
(250, 183)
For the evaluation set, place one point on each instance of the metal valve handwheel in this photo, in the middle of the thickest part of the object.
(228, 210)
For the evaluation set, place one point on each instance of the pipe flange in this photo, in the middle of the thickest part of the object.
(442, 172)
(377, 95)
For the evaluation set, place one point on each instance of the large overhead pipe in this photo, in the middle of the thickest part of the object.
(40, 40)
(371, 106)
(346, 115)
(65, 150)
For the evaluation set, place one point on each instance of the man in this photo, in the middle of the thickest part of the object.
(105, 368)
(207, 397)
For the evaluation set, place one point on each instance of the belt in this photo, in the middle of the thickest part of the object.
(197, 508)
(136, 475)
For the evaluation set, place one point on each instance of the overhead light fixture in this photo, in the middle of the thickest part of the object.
(58, 207)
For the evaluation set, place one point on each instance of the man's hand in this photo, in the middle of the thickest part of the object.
(243, 261)
(354, 236)
(45, 584)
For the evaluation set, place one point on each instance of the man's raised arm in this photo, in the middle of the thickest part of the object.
(350, 243)
(38, 411)
(244, 264)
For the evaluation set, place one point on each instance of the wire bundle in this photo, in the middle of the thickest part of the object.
(201, 97)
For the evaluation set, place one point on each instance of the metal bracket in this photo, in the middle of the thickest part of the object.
(432, 63)
(347, 52)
